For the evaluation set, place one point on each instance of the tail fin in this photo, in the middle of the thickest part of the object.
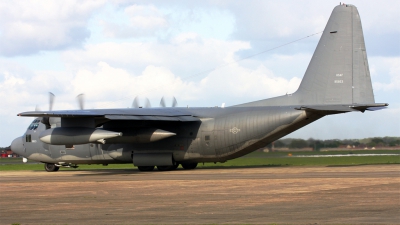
(338, 72)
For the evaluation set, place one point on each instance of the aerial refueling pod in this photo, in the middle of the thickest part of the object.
(76, 135)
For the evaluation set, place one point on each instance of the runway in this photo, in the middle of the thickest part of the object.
(263, 195)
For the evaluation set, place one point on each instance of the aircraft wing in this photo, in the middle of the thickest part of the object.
(335, 109)
(159, 114)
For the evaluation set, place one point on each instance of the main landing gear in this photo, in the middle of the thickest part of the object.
(51, 167)
(186, 166)
(145, 168)
(189, 166)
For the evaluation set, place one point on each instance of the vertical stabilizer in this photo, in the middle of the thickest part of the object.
(338, 72)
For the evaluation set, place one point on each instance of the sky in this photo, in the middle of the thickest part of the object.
(197, 51)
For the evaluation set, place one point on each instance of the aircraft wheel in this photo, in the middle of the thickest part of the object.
(189, 166)
(175, 166)
(146, 168)
(51, 167)
(167, 168)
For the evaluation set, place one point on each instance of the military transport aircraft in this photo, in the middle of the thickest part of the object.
(337, 80)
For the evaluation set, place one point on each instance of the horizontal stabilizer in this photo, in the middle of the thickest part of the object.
(371, 107)
(376, 108)
(335, 109)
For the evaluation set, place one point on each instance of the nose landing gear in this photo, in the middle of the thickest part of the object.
(51, 167)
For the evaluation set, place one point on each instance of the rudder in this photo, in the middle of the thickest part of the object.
(338, 72)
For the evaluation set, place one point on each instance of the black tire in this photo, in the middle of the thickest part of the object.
(189, 166)
(51, 167)
(167, 168)
(145, 168)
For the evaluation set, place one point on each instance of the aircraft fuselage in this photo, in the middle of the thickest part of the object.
(220, 134)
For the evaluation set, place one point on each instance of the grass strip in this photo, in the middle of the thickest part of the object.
(257, 159)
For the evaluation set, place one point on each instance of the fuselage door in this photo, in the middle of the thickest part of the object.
(30, 142)
(207, 143)
(207, 138)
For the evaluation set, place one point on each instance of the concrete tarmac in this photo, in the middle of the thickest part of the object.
(263, 195)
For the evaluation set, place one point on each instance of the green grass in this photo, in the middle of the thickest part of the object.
(292, 161)
(255, 159)
(282, 154)
(10, 160)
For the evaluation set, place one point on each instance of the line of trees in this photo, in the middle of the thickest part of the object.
(317, 144)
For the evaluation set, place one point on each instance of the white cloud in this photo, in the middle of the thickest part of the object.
(186, 53)
(27, 27)
(142, 20)
(392, 66)
(271, 23)
(107, 86)
(145, 16)
(266, 20)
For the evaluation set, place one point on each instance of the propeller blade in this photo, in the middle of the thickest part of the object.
(162, 102)
(51, 100)
(148, 105)
(174, 102)
(81, 99)
(135, 103)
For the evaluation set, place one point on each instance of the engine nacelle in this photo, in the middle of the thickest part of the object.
(141, 135)
(76, 135)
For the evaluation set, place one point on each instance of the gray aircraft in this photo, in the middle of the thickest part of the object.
(337, 80)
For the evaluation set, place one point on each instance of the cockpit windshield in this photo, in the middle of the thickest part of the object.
(34, 125)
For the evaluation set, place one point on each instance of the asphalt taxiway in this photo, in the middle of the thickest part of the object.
(264, 195)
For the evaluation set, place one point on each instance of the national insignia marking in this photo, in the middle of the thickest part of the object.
(234, 130)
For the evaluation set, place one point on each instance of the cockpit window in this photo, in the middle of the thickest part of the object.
(34, 125)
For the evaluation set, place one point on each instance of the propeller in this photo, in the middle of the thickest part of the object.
(136, 104)
(51, 101)
(174, 102)
(147, 105)
(46, 120)
(162, 102)
(81, 99)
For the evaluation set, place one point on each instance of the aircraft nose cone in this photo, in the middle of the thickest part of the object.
(17, 146)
